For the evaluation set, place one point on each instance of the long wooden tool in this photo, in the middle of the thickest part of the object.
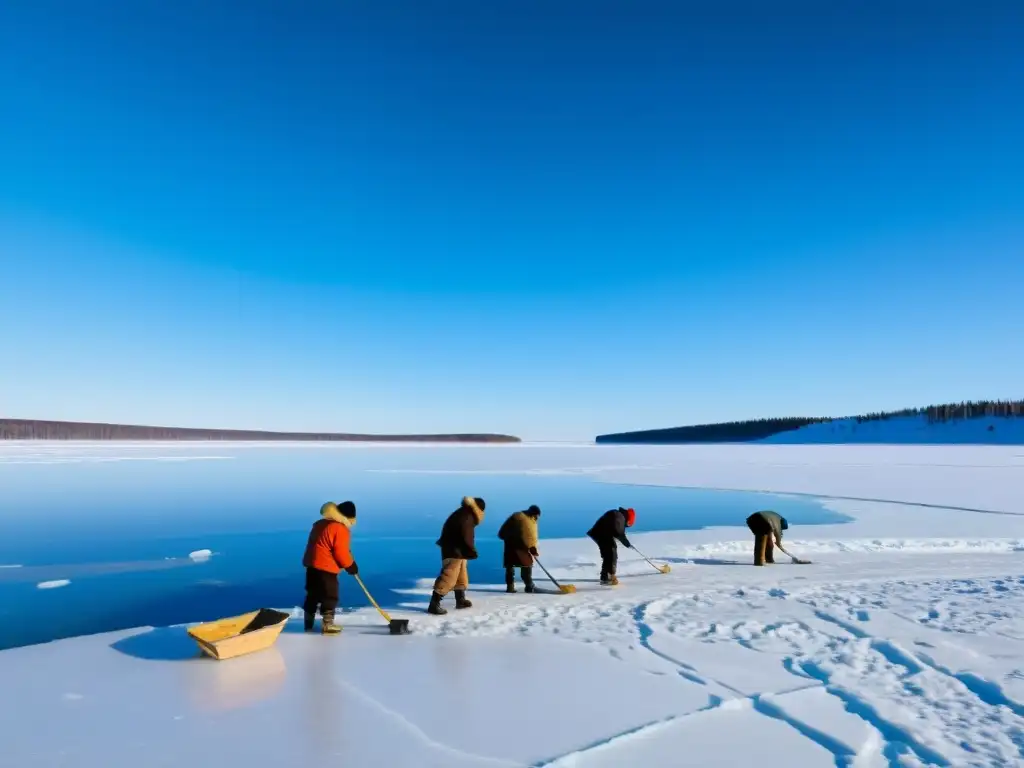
(565, 589)
(397, 626)
(663, 568)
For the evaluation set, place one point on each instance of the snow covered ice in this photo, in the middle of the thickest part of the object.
(55, 584)
(903, 644)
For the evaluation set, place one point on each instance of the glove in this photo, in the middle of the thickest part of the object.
(534, 552)
(353, 569)
(472, 555)
(625, 543)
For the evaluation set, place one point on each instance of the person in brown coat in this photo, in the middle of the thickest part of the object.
(767, 527)
(519, 532)
(458, 546)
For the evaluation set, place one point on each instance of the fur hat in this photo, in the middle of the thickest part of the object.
(630, 514)
(533, 511)
(346, 509)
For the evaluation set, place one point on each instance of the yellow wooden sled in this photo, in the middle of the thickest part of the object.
(239, 635)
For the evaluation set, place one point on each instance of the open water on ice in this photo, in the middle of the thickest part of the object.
(98, 537)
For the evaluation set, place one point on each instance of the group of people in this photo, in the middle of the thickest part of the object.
(328, 552)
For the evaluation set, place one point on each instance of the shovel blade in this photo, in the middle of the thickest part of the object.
(398, 626)
(567, 589)
(665, 568)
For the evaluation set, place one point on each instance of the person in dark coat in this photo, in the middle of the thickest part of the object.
(767, 527)
(609, 529)
(458, 546)
(519, 532)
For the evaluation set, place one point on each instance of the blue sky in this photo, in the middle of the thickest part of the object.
(549, 219)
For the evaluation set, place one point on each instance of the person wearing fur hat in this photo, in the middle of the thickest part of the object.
(458, 546)
(328, 551)
(609, 529)
(766, 525)
(519, 532)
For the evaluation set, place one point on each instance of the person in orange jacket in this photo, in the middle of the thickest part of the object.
(328, 551)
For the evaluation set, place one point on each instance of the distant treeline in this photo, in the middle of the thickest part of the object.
(937, 414)
(746, 431)
(30, 429)
(727, 432)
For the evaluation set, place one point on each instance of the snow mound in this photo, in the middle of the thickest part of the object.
(200, 555)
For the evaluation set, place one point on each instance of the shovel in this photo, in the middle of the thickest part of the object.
(796, 560)
(663, 568)
(396, 626)
(565, 589)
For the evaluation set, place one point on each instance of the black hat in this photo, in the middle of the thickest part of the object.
(347, 509)
(533, 511)
(480, 503)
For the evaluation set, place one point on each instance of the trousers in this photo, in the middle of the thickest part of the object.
(321, 592)
(454, 575)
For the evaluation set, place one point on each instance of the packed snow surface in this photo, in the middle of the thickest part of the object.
(901, 645)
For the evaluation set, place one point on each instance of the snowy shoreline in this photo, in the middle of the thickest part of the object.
(902, 644)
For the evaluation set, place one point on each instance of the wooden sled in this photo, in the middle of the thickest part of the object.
(239, 635)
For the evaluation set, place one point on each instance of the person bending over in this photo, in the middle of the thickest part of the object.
(609, 529)
(520, 534)
(767, 527)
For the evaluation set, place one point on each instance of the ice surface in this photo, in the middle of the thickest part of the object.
(200, 555)
(55, 584)
(903, 644)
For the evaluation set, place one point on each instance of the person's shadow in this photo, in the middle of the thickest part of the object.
(702, 561)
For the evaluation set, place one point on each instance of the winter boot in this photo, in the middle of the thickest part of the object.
(510, 580)
(610, 580)
(528, 580)
(460, 599)
(760, 541)
(435, 605)
(307, 621)
(327, 625)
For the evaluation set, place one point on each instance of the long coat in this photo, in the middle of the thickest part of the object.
(773, 521)
(519, 532)
(458, 536)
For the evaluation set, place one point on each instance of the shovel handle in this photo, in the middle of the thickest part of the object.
(645, 557)
(546, 572)
(379, 609)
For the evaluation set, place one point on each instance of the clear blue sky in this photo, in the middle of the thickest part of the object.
(546, 218)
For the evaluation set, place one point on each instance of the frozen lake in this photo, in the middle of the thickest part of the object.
(101, 533)
(901, 644)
